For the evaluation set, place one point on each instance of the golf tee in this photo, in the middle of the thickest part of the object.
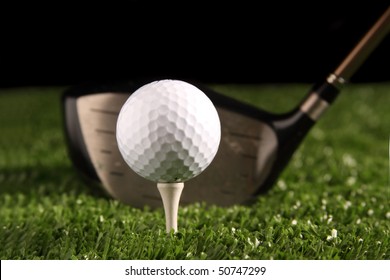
(170, 194)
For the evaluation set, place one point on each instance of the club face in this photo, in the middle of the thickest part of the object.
(245, 158)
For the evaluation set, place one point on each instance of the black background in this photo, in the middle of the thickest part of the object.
(229, 42)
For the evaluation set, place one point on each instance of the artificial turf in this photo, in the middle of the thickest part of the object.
(331, 202)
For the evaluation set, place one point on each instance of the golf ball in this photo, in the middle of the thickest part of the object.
(168, 131)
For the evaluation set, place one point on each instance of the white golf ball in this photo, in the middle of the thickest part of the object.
(168, 131)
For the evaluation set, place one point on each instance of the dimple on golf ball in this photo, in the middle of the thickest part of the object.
(168, 131)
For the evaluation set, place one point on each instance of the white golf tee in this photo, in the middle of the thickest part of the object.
(170, 194)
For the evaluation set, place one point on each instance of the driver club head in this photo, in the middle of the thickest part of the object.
(255, 146)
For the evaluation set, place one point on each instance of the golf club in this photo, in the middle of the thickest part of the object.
(255, 145)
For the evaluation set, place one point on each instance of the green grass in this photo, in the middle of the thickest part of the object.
(337, 180)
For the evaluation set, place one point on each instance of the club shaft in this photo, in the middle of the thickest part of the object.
(317, 102)
(364, 48)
